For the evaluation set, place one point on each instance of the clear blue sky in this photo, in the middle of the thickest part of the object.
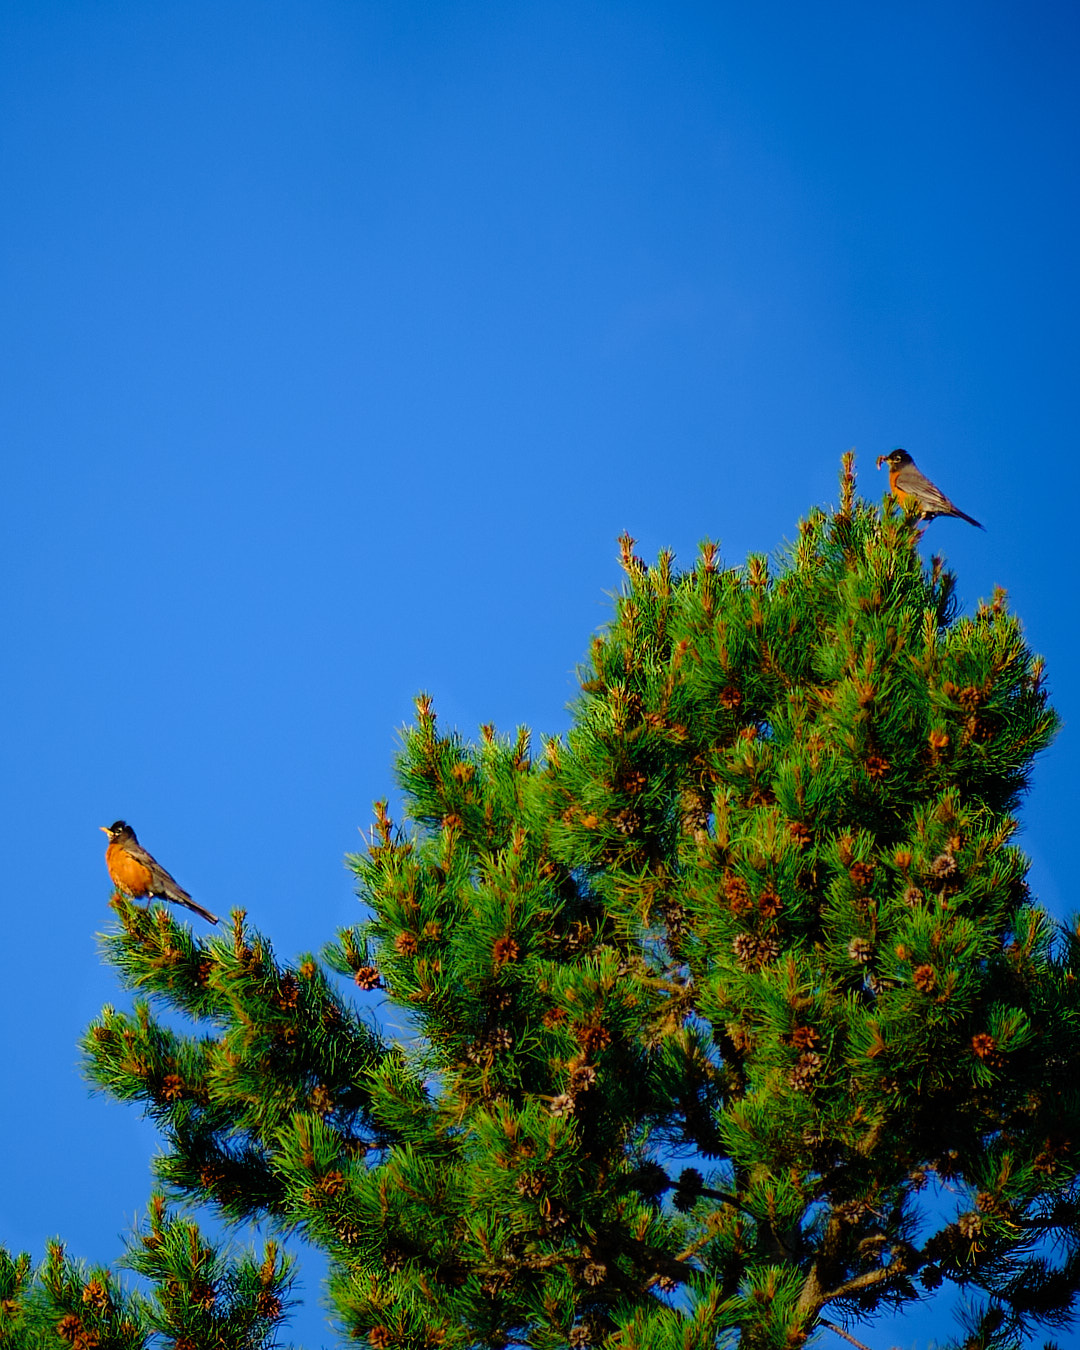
(341, 339)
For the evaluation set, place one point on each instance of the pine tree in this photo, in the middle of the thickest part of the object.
(730, 1014)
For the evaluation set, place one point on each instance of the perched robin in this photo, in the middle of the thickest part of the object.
(909, 485)
(134, 871)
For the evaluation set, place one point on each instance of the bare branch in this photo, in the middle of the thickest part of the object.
(841, 1332)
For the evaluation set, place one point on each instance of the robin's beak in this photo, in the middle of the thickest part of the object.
(104, 829)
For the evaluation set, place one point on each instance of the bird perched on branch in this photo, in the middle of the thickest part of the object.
(135, 872)
(908, 485)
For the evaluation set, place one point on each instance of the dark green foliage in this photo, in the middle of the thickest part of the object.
(728, 1016)
(200, 1298)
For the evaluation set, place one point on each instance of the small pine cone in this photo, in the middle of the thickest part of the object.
(592, 1039)
(367, 977)
(562, 1105)
(985, 1048)
(406, 944)
(924, 978)
(969, 698)
(859, 950)
(530, 1184)
(505, 952)
(581, 1336)
(651, 1180)
(379, 1338)
(96, 1296)
(288, 992)
(554, 1214)
(800, 833)
(675, 920)
(944, 867)
(745, 947)
(268, 1305)
(696, 810)
(687, 1189)
(332, 1183)
(203, 1294)
(931, 1277)
(553, 1017)
(769, 903)
(913, 897)
(988, 1203)
(937, 740)
(582, 1078)
(321, 1100)
(595, 1273)
(730, 698)
(805, 1038)
(172, 1087)
(877, 766)
(628, 821)
(970, 1225)
(666, 1284)
(633, 782)
(768, 950)
(395, 1260)
(806, 1069)
(862, 875)
(501, 1040)
(738, 894)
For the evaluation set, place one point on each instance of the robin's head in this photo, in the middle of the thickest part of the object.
(117, 831)
(895, 459)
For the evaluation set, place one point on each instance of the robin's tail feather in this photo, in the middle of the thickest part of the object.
(179, 897)
(970, 519)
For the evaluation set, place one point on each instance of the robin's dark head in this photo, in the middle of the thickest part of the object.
(896, 459)
(118, 830)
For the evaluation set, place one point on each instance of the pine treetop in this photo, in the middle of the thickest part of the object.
(731, 1015)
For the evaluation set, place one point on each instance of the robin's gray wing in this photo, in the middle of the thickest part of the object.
(932, 501)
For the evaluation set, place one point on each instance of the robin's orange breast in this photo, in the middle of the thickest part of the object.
(894, 485)
(127, 872)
